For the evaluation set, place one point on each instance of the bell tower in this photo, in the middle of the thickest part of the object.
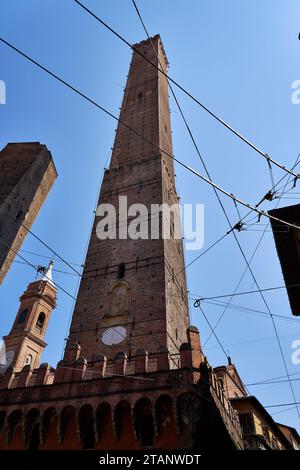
(133, 289)
(133, 376)
(25, 342)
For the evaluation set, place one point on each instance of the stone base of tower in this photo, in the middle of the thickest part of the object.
(150, 402)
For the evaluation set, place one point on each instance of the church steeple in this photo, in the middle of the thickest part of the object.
(25, 343)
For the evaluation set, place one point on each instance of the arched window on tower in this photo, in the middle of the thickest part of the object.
(40, 321)
(28, 360)
(23, 316)
(121, 271)
(119, 299)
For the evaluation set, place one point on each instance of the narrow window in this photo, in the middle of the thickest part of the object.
(121, 271)
(40, 321)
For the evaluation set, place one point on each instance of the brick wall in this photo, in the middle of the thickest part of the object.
(154, 308)
(27, 173)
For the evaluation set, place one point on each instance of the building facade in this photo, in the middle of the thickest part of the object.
(260, 431)
(27, 174)
(287, 245)
(133, 375)
(25, 343)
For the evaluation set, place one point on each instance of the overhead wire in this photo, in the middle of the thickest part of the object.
(187, 167)
(221, 121)
(266, 289)
(233, 232)
(34, 267)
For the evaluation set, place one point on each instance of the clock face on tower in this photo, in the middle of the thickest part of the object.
(114, 335)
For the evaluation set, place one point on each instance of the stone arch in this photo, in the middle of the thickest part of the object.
(68, 428)
(165, 422)
(86, 426)
(188, 414)
(118, 302)
(2, 428)
(14, 429)
(123, 426)
(143, 422)
(2, 420)
(104, 426)
(118, 284)
(49, 428)
(32, 429)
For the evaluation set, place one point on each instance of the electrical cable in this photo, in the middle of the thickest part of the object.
(237, 241)
(33, 266)
(187, 167)
(222, 206)
(251, 259)
(221, 121)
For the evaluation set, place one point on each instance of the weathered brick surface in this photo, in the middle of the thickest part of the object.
(154, 389)
(27, 173)
(154, 308)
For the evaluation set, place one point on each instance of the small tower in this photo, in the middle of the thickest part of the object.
(27, 174)
(25, 343)
(133, 292)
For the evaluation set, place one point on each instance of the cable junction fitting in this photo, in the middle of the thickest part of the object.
(239, 226)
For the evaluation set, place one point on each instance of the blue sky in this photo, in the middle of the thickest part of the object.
(240, 59)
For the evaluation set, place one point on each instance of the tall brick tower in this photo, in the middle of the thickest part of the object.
(133, 375)
(133, 291)
(27, 173)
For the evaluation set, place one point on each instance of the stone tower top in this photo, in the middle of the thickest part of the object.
(155, 40)
(133, 290)
(48, 274)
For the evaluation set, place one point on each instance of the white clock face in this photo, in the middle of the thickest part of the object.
(9, 356)
(114, 335)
